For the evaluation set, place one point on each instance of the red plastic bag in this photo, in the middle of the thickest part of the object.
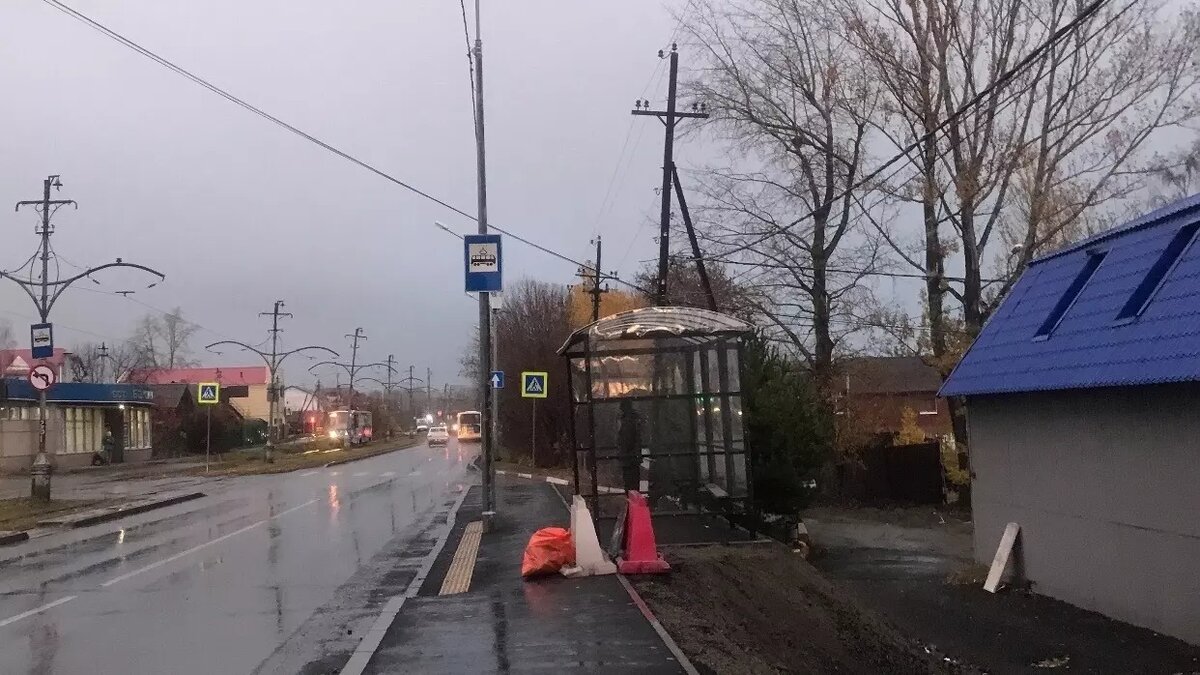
(550, 549)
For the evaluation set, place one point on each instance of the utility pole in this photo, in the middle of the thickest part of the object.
(428, 389)
(485, 313)
(352, 369)
(388, 386)
(594, 277)
(668, 118)
(274, 360)
(43, 299)
(273, 388)
(103, 355)
(355, 337)
(409, 383)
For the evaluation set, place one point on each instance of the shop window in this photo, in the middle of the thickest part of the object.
(84, 429)
(137, 428)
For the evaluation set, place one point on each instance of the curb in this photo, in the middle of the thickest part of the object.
(557, 481)
(119, 512)
(7, 538)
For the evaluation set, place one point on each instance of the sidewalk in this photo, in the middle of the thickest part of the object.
(506, 624)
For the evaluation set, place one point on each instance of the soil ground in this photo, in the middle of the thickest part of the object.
(915, 567)
(762, 609)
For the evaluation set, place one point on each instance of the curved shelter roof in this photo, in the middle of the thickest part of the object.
(690, 324)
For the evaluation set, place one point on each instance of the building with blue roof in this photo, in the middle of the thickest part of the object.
(1083, 394)
(78, 416)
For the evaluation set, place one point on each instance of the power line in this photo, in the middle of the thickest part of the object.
(470, 63)
(108, 32)
(1002, 80)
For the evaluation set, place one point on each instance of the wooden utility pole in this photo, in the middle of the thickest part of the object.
(669, 117)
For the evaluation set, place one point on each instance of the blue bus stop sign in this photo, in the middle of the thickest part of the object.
(481, 256)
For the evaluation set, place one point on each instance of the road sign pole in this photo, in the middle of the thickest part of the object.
(40, 473)
(207, 437)
(533, 435)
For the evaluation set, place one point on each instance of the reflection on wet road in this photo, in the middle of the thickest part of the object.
(215, 585)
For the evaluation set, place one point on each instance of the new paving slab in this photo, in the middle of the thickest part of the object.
(506, 624)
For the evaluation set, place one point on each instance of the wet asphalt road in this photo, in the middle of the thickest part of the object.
(216, 585)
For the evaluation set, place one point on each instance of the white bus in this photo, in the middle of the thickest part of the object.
(468, 425)
(351, 427)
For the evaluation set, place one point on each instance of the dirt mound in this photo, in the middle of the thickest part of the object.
(764, 610)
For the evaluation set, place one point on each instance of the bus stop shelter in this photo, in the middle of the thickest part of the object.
(656, 406)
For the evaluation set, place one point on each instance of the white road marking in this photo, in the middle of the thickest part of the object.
(37, 610)
(415, 473)
(388, 474)
(206, 544)
(360, 474)
(309, 473)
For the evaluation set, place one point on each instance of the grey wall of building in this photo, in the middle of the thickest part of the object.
(1106, 487)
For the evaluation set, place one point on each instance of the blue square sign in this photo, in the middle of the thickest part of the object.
(481, 256)
(497, 379)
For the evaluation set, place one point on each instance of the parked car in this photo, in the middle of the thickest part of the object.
(438, 435)
(422, 428)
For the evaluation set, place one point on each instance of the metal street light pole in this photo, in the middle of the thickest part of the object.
(44, 300)
(485, 314)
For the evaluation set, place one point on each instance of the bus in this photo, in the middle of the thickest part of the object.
(351, 427)
(468, 425)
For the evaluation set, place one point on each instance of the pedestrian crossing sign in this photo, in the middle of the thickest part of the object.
(208, 393)
(533, 385)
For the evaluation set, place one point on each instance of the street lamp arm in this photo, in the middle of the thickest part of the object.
(25, 286)
(243, 345)
(63, 284)
(330, 363)
(279, 358)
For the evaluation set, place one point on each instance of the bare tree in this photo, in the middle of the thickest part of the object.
(534, 323)
(90, 362)
(1055, 153)
(164, 341)
(787, 96)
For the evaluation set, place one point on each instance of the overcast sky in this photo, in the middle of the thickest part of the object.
(238, 212)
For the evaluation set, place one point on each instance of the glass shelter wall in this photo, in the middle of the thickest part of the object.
(662, 415)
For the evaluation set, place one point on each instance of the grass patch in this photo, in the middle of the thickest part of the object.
(250, 462)
(23, 513)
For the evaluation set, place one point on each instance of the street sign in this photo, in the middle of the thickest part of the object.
(41, 339)
(208, 393)
(533, 385)
(497, 379)
(42, 377)
(481, 257)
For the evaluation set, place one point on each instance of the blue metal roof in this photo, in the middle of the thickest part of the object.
(1089, 346)
(82, 392)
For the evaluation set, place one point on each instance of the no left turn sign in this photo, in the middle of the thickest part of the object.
(42, 377)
